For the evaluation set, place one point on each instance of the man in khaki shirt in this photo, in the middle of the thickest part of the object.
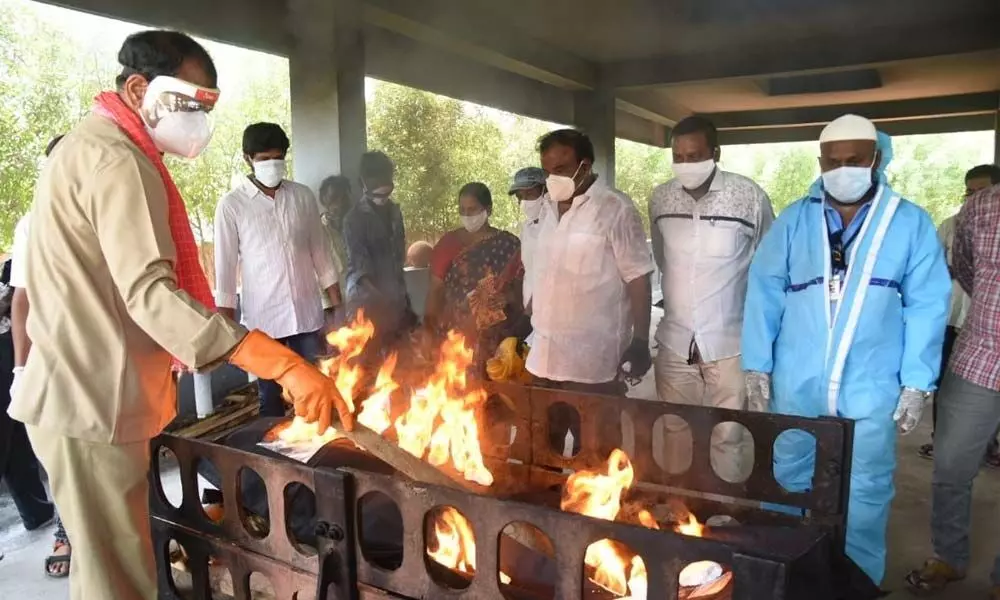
(108, 274)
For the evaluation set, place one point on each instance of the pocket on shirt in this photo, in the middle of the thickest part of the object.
(584, 253)
(723, 239)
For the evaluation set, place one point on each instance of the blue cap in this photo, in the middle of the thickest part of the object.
(527, 178)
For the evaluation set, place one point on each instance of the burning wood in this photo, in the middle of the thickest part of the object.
(440, 424)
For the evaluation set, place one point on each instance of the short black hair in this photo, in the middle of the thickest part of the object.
(572, 138)
(480, 192)
(696, 124)
(159, 52)
(263, 137)
(376, 166)
(335, 185)
(991, 171)
(52, 144)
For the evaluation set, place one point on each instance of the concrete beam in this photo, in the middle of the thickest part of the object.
(810, 133)
(483, 37)
(854, 48)
(637, 129)
(963, 104)
(247, 23)
(399, 59)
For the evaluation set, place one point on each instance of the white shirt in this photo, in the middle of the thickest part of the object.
(581, 314)
(282, 254)
(18, 263)
(703, 249)
(529, 241)
(959, 299)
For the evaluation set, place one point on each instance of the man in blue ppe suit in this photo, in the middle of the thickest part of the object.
(845, 314)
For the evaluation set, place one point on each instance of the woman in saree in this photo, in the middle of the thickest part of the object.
(476, 276)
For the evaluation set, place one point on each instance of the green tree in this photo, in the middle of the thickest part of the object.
(638, 169)
(438, 144)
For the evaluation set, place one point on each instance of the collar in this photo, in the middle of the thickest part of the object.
(251, 188)
(716, 185)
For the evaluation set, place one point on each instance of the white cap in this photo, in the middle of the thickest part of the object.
(848, 127)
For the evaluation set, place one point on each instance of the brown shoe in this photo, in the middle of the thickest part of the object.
(933, 577)
(995, 593)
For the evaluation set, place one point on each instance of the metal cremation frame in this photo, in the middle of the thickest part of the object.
(768, 560)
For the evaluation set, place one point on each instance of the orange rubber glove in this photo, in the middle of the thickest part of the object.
(312, 393)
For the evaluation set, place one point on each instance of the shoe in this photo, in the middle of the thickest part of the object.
(933, 577)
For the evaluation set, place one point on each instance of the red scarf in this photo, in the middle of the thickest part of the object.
(190, 276)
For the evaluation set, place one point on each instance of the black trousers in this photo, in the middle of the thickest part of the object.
(19, 467)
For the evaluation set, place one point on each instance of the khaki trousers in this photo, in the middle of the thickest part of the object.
(719, 384)
(103, 497)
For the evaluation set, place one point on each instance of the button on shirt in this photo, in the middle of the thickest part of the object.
(283, 255)
(581, 313)
(703, 249)
(976, 267)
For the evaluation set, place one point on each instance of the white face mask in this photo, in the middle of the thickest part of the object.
(693, 175)
(182, 133)
(562, 188)
(380, 195)
(474, 223)
(847, 185)
(531, 208)
(270, 172)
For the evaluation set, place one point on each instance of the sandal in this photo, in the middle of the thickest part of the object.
(58, 559)
(933, 577)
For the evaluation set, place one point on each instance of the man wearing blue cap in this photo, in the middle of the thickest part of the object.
(528, 187)
(845, 314)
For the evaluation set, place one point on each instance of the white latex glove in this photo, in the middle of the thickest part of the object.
(17, 378)
(758, 390)
(909, 409)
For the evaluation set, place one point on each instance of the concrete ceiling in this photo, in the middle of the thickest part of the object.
(933, 63)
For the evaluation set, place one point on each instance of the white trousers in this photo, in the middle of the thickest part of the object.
(719, 384)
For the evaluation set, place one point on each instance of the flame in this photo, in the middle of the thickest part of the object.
(350, 341)
(598, 494)
(505, 578)
(692, 527)
(300, 430)
(453, 541)
(647, 520)
(440, 425)
(441, 419)
(375, 412)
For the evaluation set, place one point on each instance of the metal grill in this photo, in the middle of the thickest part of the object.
(771, 555)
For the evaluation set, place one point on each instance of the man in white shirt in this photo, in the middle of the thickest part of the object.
(591, 299)
(528, 187)
(706, 224)
(269, 230)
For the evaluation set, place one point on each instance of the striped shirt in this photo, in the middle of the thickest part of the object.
(279, 248)
(976, 267)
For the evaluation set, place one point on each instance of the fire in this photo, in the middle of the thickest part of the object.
(350, 342)
(440, 424)
(300, 430)
(692, 527)
(441, 419)
(598, 494)
(375, 412)
(453, 541)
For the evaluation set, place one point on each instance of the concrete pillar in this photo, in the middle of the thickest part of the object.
(327, 68)
(594, 114)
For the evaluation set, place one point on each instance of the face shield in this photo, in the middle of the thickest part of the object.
(177, 114)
